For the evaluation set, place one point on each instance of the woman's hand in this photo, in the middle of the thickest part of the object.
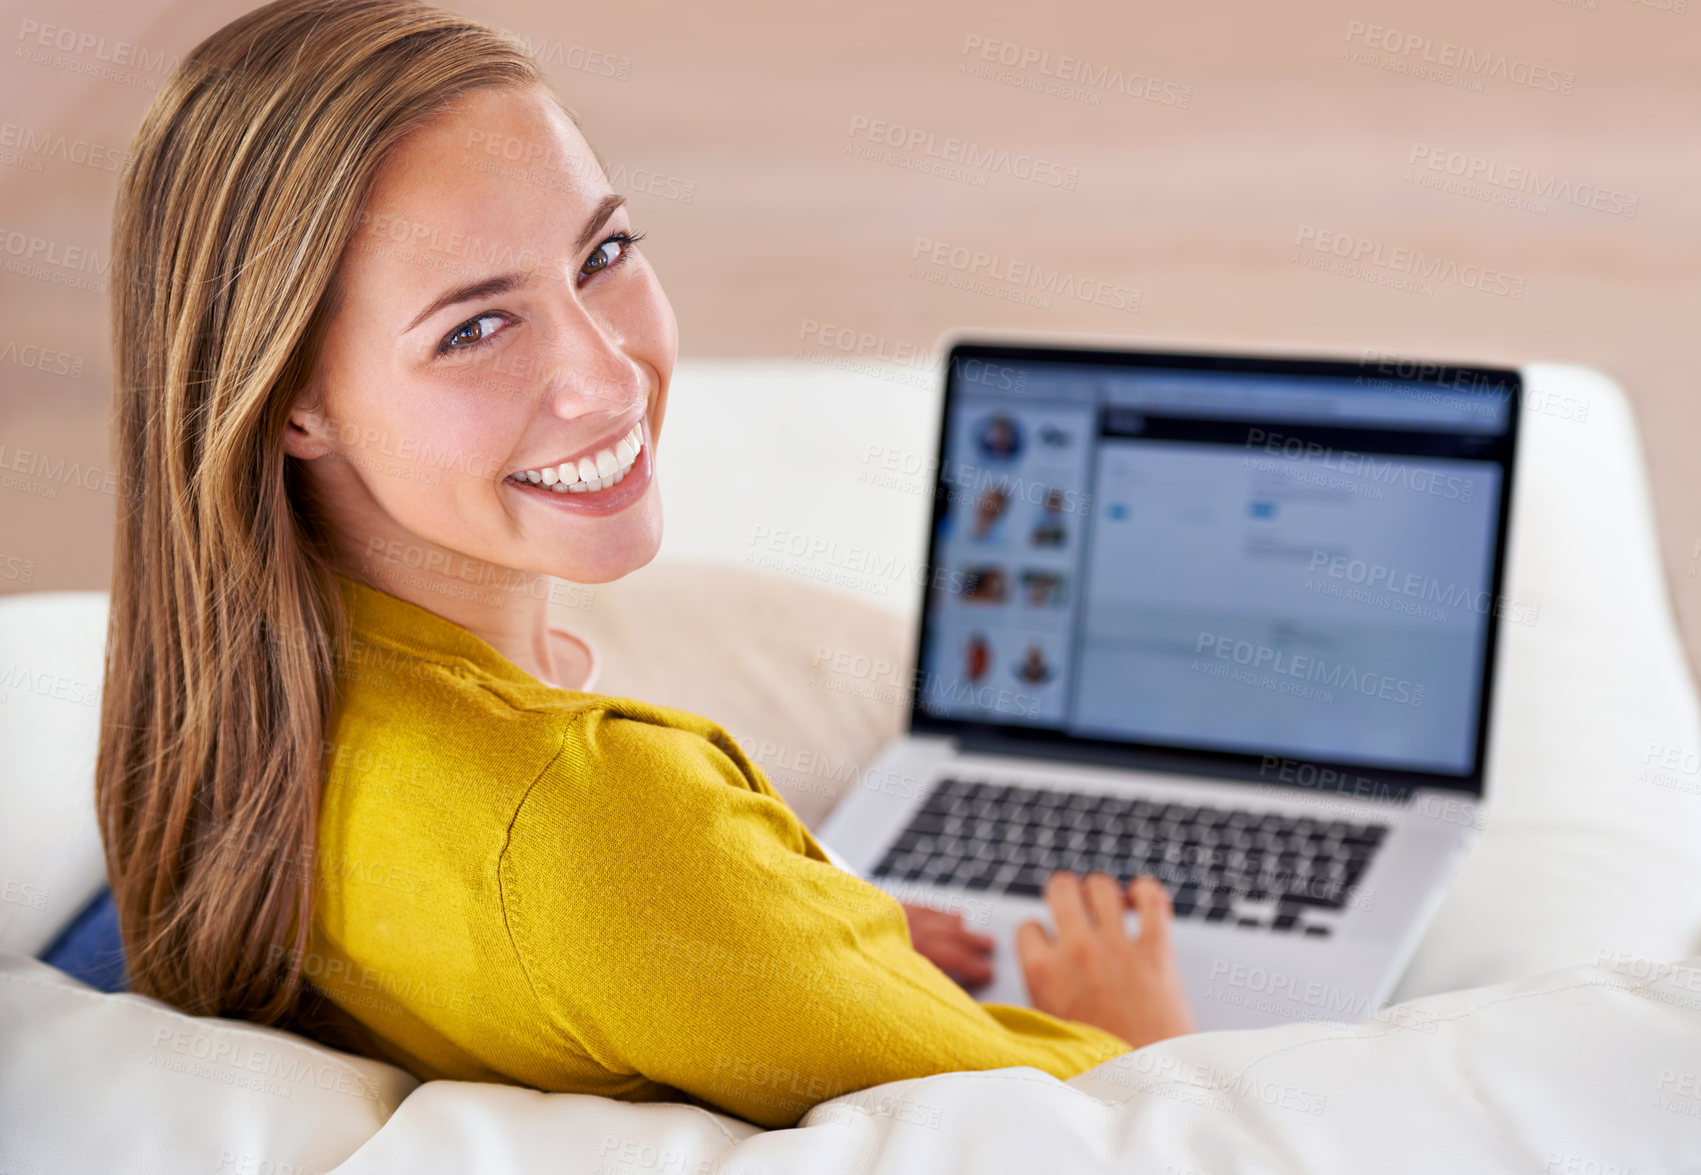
(1093, 971)
(949, 945)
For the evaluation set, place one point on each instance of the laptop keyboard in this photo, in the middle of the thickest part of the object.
(1265, 870)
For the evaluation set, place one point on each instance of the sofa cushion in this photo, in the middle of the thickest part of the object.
(1592, 836)
(95, 1082)
(1589, 1069)
(52, 658)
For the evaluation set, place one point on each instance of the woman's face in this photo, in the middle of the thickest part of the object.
(495, 328)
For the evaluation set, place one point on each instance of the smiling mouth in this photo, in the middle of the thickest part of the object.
(597, 471)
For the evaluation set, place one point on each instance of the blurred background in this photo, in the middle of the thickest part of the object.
(838, 184)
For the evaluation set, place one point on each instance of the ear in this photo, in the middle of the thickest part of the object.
(307, 436)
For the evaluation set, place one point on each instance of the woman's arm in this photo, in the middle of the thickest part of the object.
(675, 916)
(940, 936)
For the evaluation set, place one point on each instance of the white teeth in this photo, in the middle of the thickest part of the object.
(587, 475)
(600, 483)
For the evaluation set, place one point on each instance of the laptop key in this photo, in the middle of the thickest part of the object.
(1323, 900)
(1029, 881)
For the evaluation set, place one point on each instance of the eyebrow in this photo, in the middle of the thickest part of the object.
(504, 282)
(605, 208)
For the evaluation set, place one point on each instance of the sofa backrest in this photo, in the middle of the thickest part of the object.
(52, 656)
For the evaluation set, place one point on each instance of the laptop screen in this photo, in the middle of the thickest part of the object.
(1243, 560)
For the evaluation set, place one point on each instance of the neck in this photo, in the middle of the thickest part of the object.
(505, 607)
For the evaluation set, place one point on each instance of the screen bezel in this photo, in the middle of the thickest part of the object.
(1354, 780)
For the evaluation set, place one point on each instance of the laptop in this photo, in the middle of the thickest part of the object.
(1227, 619)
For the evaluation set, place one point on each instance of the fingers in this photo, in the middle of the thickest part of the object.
(957, 931)
(930, 925)
(1156, 909)
(1105, 900)
(949, 933)
(1068, 907)
(1034, 949)
(967, 966)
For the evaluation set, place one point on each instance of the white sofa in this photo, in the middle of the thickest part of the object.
(1553, 1020)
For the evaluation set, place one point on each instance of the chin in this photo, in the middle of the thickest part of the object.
(633, 549)
(603, 573)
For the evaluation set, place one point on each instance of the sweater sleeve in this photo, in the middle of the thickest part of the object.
(676, 918)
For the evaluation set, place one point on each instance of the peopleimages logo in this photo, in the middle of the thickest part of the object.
(1303, 667)
(1473, 63)
(962, 152)
(38, 145)
(1366, 465)
(1523, 180)
(966, 263)
(91, 46)
(1077, 72)
(1399, 265)
(1417, 586)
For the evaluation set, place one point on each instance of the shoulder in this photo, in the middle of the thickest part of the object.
(647, 807)
(650, 829)
(443, 731)
(651, 880)
(632, 769)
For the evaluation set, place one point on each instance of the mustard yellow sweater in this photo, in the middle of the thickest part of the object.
(593, 894)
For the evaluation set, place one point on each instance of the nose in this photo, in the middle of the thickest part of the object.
(588, 369)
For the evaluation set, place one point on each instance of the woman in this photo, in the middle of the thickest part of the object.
(390, 368)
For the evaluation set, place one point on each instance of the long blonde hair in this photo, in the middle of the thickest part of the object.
(234, 209)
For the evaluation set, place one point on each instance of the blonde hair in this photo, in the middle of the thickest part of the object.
(234, 209)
